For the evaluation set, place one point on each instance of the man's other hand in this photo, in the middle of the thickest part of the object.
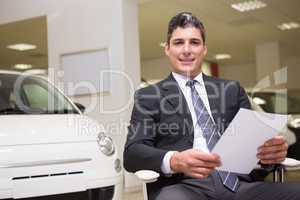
(273, 151)
(194, 163)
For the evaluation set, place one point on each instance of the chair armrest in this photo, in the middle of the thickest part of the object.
(288, 163)
(147, 176)
(278, 170)
(291, 164)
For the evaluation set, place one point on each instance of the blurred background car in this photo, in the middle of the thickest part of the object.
(281, 102)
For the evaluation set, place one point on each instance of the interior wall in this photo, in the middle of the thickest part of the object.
(155, 69)
(244, 73)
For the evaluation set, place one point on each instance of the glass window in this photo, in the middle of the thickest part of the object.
(36, 95)
(281, 103)
(31, 95)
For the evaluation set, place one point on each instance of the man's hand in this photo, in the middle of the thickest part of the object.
(273, 151)
(194, 163)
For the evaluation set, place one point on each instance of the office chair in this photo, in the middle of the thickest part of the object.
(289, 164)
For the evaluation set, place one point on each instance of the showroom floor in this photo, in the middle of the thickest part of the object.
(133, 196)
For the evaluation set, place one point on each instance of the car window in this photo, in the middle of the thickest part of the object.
(293, 105)
(36, 95)
(282, 103)
(279, 103)
(20, 94)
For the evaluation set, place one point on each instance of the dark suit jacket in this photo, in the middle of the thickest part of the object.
(161, 121)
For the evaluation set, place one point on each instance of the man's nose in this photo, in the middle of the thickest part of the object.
(186, 48)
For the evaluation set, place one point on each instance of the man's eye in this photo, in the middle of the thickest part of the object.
(195, 42)
(177, 42)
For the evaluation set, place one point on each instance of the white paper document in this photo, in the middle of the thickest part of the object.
(239, 143)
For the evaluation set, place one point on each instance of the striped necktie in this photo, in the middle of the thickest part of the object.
(210, 133)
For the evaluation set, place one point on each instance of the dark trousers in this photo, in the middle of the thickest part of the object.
(212, 188)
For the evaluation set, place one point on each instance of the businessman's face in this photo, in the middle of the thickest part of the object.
(186, 51)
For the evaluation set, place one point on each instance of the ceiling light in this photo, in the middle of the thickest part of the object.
(22, 66)
(288, 26)
(21, 47)
(248, 5)
(222, 56)
(37, 71)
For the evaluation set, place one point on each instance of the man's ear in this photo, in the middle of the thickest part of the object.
(205, 50)
(167, 49)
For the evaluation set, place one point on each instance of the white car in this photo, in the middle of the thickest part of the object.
(49, 148)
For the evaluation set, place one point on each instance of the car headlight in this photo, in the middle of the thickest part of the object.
(106, 144)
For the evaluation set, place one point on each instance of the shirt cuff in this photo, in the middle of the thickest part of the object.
(165, 167)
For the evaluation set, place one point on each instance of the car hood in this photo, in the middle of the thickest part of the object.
(39, 129)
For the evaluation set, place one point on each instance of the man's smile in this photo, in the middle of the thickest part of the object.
(186, 61)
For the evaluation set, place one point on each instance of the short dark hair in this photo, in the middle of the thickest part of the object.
(183, 20)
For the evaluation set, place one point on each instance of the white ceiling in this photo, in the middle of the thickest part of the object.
(228, 31)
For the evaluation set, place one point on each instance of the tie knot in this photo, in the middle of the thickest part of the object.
(191, 83)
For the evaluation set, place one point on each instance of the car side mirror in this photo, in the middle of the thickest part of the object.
(80, 107)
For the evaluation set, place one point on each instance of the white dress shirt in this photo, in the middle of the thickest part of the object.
(199, 140)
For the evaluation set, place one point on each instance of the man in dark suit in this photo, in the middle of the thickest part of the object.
(176, 122)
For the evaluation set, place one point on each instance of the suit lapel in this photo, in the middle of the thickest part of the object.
(173, 94)
(171, 91)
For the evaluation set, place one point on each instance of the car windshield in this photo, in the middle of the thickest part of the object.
(25, 94)
(281, 103)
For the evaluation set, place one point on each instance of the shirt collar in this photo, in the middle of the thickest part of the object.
(182, 80)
